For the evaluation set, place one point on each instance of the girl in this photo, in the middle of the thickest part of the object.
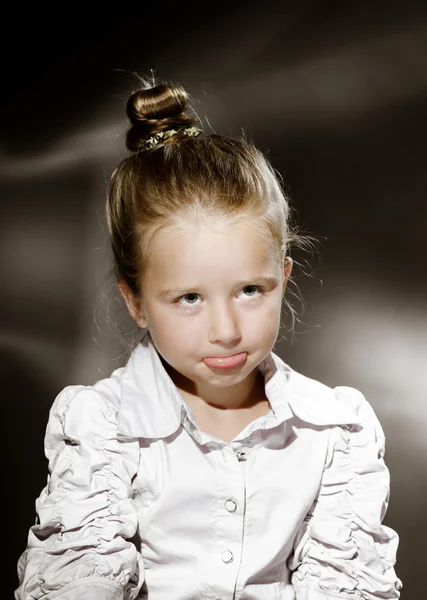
(206, 467)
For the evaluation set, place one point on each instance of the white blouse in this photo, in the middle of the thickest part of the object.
(140, 503)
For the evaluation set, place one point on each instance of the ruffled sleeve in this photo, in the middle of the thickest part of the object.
(81, 546)
(342, 550)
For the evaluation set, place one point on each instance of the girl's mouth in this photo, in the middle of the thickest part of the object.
(225, 362)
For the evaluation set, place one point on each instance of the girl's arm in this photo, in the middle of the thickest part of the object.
(342, 550)
(80, 547)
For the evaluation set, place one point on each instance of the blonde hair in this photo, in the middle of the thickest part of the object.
(182, 179)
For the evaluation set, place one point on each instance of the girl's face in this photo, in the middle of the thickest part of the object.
(212, 292)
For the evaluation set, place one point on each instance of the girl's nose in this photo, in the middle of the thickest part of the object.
(223, 326)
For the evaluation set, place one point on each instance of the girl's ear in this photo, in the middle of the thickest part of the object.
(133, 304)
(288, 263)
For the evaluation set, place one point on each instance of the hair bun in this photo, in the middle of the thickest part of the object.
(155, 109)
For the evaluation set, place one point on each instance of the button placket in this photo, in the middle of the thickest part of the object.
(222, 574)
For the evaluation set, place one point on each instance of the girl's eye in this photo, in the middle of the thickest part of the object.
(251, 291)
(191, 299)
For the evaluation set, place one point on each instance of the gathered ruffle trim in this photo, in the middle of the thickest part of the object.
(342, 548)
(86, 510)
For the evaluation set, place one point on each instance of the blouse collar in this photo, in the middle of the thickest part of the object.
(152, 407)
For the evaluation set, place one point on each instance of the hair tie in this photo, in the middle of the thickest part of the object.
(158, 138)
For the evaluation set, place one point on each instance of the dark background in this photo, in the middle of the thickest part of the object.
(334, 92)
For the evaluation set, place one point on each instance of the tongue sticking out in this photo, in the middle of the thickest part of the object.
(226, 362)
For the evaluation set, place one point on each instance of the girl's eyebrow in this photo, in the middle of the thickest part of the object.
(267, 280)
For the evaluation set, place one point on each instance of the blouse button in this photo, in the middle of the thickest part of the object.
(230, 505)
(227, 556)
(241, 454)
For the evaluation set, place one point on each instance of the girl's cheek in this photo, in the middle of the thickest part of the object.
(179, 320)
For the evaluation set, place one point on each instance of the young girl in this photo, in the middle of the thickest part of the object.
(206, 468)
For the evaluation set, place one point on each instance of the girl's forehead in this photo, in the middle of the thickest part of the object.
(245, 233)
(208, 249)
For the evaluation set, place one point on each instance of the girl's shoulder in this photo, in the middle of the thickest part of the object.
(93, 409)
(320, 404)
